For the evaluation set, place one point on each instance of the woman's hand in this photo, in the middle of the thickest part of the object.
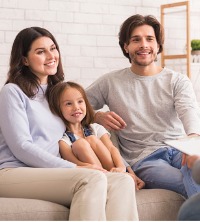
(139, 184)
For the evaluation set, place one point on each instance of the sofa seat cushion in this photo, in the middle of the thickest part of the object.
(31, 209)
(153, 205)
(158, 204)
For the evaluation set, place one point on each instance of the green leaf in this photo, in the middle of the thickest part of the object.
(195, 44)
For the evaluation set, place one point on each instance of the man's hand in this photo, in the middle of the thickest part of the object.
(110, 120)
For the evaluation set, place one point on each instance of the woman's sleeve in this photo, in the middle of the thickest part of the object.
(16, 132)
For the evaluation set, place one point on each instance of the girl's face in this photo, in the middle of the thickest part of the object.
(43, 58)
(72, 105)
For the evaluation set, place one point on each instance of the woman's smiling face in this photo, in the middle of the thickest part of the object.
(43, 58)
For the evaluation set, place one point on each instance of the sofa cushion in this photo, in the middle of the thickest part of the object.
(153, 205)
(158, 204)
(31, 209)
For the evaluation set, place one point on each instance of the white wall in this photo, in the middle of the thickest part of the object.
(86, 30)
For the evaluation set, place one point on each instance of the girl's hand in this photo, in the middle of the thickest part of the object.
(118, 169)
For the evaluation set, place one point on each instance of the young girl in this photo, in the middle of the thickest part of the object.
(83, 142)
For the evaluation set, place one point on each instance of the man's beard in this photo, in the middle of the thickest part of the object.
(145, 63)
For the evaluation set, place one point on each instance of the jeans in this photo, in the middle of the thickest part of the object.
(190, 210)
(162, 169)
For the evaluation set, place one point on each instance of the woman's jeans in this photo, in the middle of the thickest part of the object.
(162, 169)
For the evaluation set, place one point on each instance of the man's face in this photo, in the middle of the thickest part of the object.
(143, 46)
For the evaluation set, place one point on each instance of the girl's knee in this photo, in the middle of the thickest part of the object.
(80, 144)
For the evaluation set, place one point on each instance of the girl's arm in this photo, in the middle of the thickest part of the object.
(117, 159)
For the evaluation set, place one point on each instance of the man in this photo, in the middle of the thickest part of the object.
(148, 105)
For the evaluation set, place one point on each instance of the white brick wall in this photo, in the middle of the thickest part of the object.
(86, 30)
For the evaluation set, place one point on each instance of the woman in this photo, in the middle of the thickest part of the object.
(30, 162)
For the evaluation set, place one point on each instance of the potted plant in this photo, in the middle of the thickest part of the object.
(195, 45)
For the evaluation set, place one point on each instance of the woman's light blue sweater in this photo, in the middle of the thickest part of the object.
(29, 132)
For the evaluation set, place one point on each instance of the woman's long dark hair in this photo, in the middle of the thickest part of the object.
(19, 73)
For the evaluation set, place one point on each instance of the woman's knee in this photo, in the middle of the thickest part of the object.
(123, 179)
(86, 175)
(94, 180)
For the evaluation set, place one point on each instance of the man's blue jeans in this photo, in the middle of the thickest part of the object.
(162, 169)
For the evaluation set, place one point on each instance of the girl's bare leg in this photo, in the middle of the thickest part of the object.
(83, 151)
(101, 152)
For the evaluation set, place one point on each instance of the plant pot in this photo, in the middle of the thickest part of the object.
(195, 52)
